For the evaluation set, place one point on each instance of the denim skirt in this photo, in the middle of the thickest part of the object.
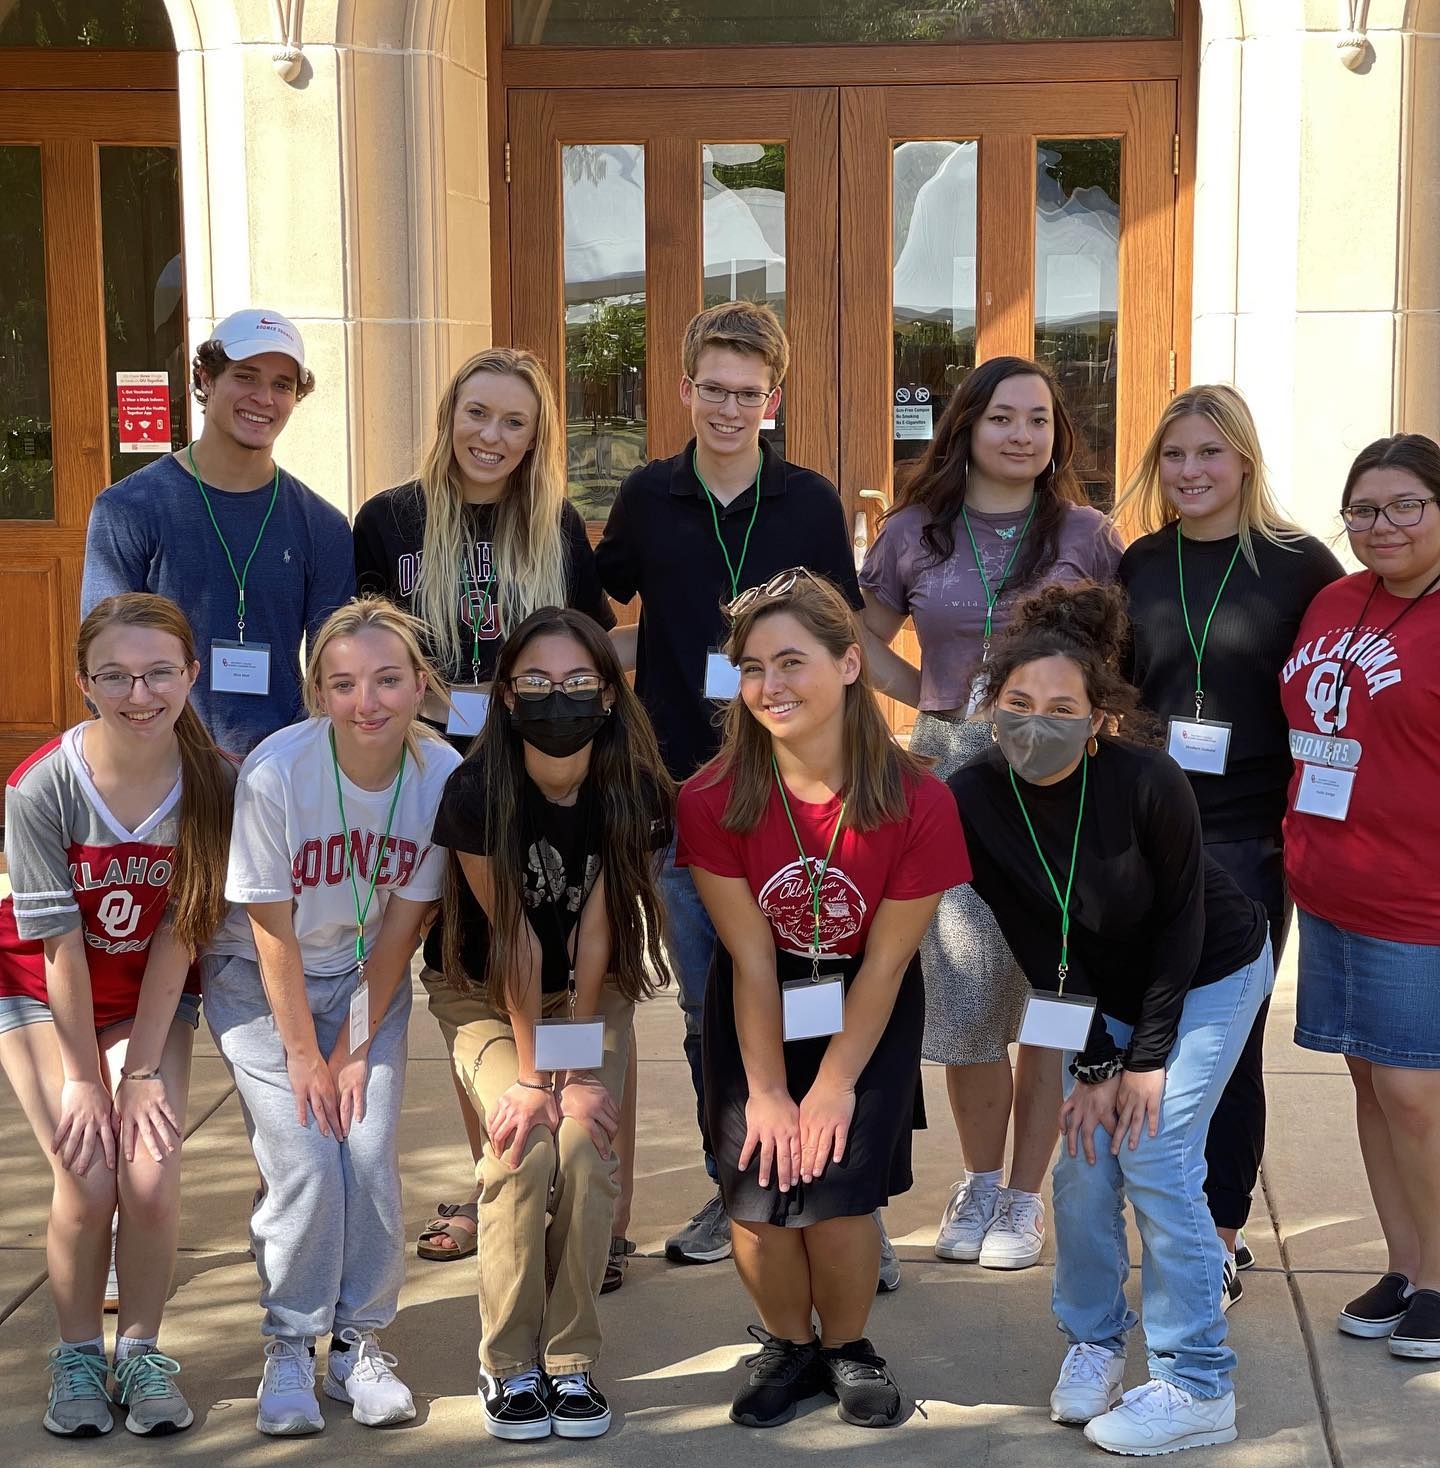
(1368, 997)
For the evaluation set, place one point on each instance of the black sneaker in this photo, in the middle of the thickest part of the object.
(577, 1408)
(515, 1406)
(782, 1374)
(1244, 1259)
(1417, 1337)
(1379, 1310)
(1231, 1288)
(863, 1386)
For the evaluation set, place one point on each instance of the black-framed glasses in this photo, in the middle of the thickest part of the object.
(1402, 514)
(532, 686)
(746, 397)
(117, 685)
(780, 584)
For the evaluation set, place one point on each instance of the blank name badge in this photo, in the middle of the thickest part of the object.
(469, 709)
(1324, 791)
(1200, 745)
(722, 677)
(569, 1044)
(1056, 1021)
(240, 667)
(359, 1017)
(813, 1008)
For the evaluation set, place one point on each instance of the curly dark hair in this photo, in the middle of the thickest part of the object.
(210, 361)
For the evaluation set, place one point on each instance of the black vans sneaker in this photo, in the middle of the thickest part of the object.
(782, 1374)
(515, 1406)
(1417, 1337)
(1379, 1310)
(577, 1408)
(862, 1385)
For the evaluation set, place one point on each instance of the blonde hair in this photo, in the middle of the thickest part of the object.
(375, 614)
(739, 326)
(531, 553)
(1144, 501)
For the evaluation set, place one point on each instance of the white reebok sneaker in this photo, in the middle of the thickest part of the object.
(1090, 1384)
(1160, 1418)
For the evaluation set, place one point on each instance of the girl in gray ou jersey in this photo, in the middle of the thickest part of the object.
(992, 507)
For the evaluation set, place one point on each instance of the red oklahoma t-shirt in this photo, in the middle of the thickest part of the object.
(915, 857)
(1370, 873)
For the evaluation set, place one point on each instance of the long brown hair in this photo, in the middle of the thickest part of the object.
(207, 776)
(937, 480)
(631, 789)
(877, 770)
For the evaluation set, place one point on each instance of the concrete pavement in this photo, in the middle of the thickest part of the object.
(977, 1349)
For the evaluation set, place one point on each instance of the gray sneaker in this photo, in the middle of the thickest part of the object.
(79, 1404)
(155, 1405)
(889, 1262)
(705, 1238)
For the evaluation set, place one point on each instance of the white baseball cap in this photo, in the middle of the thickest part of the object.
(247, 334)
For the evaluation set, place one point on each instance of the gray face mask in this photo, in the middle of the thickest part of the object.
(1037, 746)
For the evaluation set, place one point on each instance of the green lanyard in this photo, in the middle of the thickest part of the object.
(992, 597)
(361, 913)
(477, 618)
(1198, 648)
(1063, 902)
(816, 883)
(735, 569)
(245, 570)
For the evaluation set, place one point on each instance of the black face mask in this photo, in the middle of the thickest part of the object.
(559, 724)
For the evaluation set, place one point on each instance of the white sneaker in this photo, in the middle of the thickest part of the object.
(1160, 1418)
(363, 1376)
(967, 1216)
(1017, 1235)
(287, 1391)
(1090, 1384)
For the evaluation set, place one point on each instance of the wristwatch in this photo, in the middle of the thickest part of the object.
(1097, 1070)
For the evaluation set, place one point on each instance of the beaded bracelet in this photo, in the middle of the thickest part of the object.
(536, 1085)
(139, 1075)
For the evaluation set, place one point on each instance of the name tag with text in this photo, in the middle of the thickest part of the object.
(240, 667)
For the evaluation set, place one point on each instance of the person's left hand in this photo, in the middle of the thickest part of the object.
(584, 1099)
(1084, 1111)
(825, 1117)
(145, 1117)
(350, 1073)
(1137, 1106)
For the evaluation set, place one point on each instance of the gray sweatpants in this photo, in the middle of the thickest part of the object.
(329, 1235)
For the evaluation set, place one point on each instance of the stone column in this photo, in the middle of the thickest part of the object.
(353, 197)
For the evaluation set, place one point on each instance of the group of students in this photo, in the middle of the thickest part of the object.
(1149, 755)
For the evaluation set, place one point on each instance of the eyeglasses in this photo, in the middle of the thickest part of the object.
(781, 584)
(533, 686)
(1402, 514)
(120, 685)
(746, 397)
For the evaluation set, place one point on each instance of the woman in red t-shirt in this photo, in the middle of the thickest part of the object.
(820, 849)
(1362, 696)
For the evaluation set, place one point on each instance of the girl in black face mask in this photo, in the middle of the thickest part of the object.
(1088, 850)
(551, 915)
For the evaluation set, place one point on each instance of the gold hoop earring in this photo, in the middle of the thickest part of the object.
(994, 733)
(1092, 746)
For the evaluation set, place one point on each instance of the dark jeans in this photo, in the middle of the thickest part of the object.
(1236, 1141)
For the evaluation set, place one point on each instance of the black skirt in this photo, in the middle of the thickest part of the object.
(889, 1104)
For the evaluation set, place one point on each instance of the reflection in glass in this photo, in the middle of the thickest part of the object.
(722, 22)
(743, 185)
(1077, 260)
(27, 482)
(604, 201)
(933, 242)
(144, 302)
(116, 25)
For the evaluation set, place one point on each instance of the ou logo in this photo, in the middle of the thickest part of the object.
(1329, 700)
(118, 914)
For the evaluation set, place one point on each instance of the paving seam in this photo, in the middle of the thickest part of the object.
(1307, 1333)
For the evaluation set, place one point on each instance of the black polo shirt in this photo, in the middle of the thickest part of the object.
(660, 542)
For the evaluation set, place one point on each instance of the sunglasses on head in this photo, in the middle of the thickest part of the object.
(777, 587)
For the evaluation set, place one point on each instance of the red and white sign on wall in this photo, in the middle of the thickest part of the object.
(143, 401)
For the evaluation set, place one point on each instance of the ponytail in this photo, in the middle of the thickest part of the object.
(207, 801)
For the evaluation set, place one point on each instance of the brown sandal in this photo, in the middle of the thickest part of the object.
(449, 1223)
(616, 1265)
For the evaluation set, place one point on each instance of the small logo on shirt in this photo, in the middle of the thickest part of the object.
(1007, 534)
(287, 555)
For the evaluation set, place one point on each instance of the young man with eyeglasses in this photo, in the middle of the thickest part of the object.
(688, 534)
(254, 558)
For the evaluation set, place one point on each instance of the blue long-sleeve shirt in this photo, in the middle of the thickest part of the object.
(150, 532)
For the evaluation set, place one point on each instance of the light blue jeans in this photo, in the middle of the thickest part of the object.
(1164, 1178)
(691, 942)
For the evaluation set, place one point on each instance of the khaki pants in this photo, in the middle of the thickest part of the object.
(562, 1176)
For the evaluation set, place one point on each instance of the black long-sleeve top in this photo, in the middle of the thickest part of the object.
(1250, 640)
(1151, 917)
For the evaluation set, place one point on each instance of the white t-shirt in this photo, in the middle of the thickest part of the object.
(287, 842)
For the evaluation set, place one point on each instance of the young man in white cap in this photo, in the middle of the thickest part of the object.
(255, 559)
